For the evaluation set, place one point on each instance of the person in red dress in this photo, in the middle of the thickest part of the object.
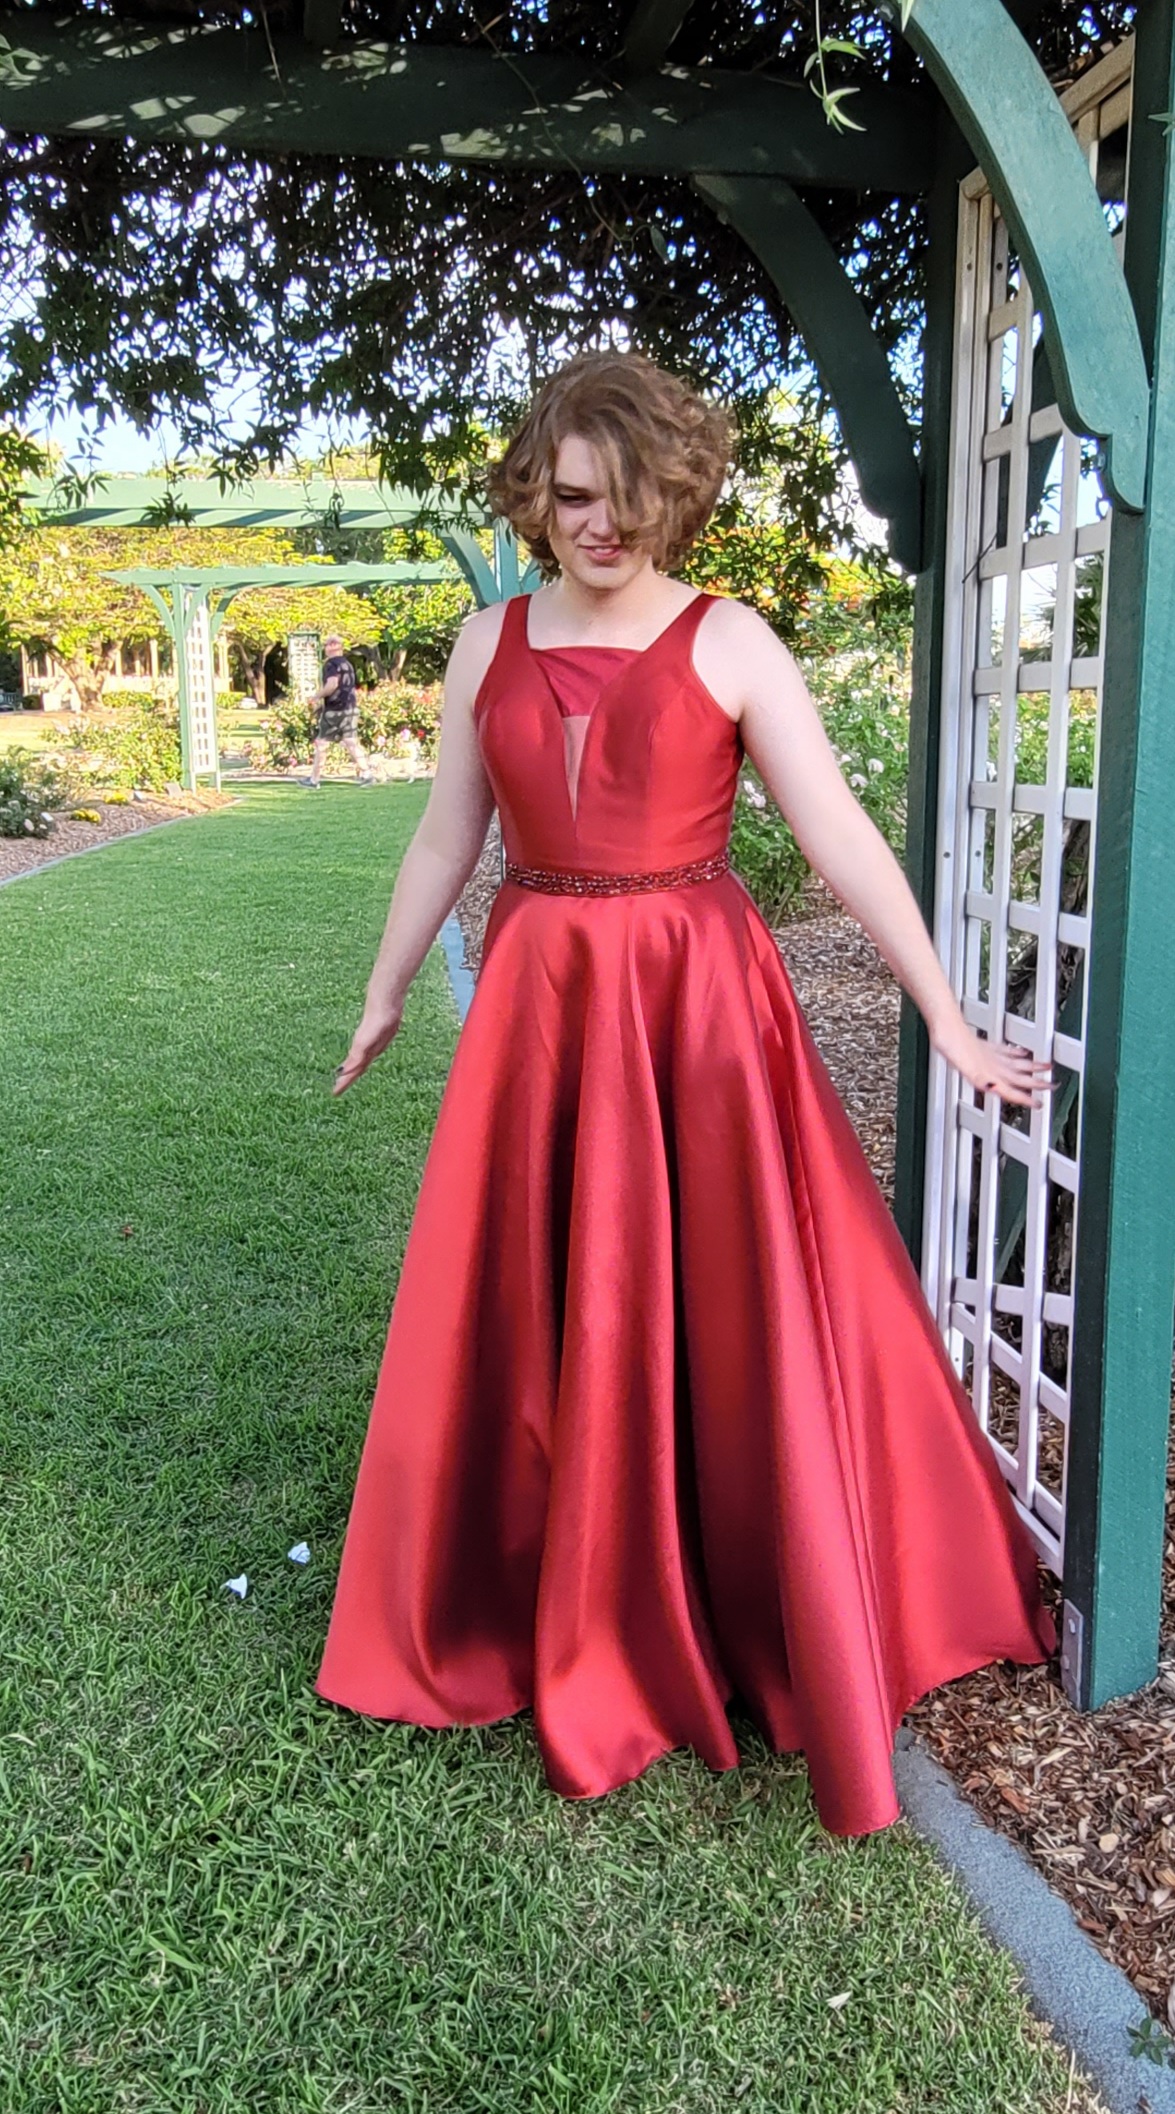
(663, 1419)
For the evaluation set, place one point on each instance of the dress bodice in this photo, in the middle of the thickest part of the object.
(658, 764)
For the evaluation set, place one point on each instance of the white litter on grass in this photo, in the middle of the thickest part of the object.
(300, 1553)
(239, 1586)
(838, 2003)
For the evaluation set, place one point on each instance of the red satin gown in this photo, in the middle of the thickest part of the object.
(663, 1417)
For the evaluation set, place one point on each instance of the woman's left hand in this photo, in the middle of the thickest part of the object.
(994, 1067)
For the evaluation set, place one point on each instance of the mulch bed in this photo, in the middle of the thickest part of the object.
(1089, 1797)
(21, 854)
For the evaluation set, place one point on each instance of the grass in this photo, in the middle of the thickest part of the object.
(216, 1893)
(34, 730)
(48, 730)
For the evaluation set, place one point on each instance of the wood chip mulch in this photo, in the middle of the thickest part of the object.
(1089, 1797)
(20, 855)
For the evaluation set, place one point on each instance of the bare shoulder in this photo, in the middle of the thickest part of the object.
(735, 650)
(737, 624)
(473, 649)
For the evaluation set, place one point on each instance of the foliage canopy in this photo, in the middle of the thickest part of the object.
(152, 281)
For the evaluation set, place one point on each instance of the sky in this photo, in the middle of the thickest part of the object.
(120, 450)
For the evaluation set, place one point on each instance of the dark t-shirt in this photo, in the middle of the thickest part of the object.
(342, 697)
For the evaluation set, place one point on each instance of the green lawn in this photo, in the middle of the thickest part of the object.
(218, 1895)
(34, 730)
(48, 730)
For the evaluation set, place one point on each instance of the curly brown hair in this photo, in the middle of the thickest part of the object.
(665, 452)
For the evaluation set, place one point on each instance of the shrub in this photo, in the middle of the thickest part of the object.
(31, 790)
(400, 721)
(764, 852)
(869, 730)
(1032, 737)
(140, 747)
(126, 700)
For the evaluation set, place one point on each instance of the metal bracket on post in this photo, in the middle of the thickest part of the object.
(1072, 1652)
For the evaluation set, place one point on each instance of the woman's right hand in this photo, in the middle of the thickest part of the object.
(377, 1028)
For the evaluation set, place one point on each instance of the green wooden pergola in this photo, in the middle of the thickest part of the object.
(1047, 453)
(194, 600)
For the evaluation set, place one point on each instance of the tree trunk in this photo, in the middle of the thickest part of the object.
(255, 669)
(89, 677)
(396, 664)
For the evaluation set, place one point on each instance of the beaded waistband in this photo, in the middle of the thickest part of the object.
(548, 881)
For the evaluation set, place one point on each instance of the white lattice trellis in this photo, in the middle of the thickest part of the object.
(1022, 690)
(201, 693)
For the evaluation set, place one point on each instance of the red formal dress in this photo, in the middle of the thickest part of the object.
(663, 1417)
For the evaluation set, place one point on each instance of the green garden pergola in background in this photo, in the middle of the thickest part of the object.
(1037, 508)
(194, 600)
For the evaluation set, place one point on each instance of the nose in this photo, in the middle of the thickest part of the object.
(600, 526)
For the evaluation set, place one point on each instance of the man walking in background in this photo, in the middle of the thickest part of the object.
(338, 715)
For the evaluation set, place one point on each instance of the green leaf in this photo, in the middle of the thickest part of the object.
(832, 100)
(846, 44)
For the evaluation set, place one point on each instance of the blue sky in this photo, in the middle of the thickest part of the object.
(121, 450)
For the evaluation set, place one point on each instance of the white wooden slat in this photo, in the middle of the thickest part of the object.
(1006, 1460)
(977, 1013)
(1062, 1171)
(1049, 1547)
(1072, 931)
(1069, 1053)
(1014, 1143)
(1079, 804)
(1024, 917)
(963, 1319)
(968, 383)
(1024, 1034)
(1003, 1357)
(1000, 441)
(1043, 424)
(1047, 1509)
(1035, 677)
(1055, 1400)
(1056, 547)
(1113, 113)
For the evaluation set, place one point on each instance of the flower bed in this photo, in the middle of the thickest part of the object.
(399, 724)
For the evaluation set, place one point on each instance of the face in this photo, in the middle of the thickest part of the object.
(583, 535)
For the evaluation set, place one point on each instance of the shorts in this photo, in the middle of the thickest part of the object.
(338, 726)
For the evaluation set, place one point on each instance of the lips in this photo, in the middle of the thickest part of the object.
(602, 552)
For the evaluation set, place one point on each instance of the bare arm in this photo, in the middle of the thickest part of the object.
(441, 856)
(785, 739)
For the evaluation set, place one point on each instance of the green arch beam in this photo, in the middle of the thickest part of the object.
(1010, 114)
(844, 348)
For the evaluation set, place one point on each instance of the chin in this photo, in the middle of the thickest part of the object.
(616, 572)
